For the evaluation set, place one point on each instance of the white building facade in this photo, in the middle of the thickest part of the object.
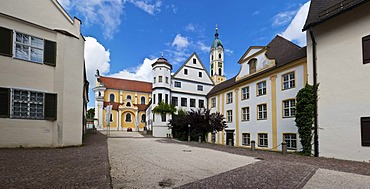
(41, 75)
(342, 44)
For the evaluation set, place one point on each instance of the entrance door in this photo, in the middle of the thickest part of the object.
(230, 135)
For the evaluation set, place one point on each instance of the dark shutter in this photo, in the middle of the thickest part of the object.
(6, 42)
(51, 106)
(366, 49)
(365, 131)
(50, 53)
(4, 102)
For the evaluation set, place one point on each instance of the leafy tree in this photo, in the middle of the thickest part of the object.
(304, 117)
(164, 108)
(90, 113)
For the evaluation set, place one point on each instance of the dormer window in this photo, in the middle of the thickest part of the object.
(252, 65)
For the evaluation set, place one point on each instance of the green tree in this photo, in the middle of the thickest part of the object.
(304, 117)
(164, 108)
(90, 113)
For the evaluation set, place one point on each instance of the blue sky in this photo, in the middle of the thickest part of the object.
(123, 37)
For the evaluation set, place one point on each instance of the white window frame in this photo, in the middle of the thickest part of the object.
(289, 109)
(261, 111)
(29, 45)
(28, 103)
(229, 114)
(245, 93)
(263, 140)
(261, 88)
(246, 139)
(166, 79)
(229, 98)
(213, 102)
(245, 114)
(288, 80)
(291, 140)
(160, 79)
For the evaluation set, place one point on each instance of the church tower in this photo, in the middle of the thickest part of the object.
(216, 57)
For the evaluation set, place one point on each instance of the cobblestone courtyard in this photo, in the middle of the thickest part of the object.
(144, 162)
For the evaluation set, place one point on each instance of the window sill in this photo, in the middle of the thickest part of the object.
(262, 119)
(288, 117)
(40, 63)
(245, 120)
(287, 88)
(261, 95)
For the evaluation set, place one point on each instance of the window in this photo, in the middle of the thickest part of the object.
(201, 104)
(261, 88)
(192, 102)
(229, 114)
(159, 98)
(252, 65)
(153, 98)
(177, 84)
(200, 74)
(245, 114)
(128, 104)
(160, 79)
(128, 97)
(365, 131)
(142, 100)
(219, 71)
(200, 87)
(262, 111)
(219, 56)
(143, 118)
(163, 117)
(186, 71)
(111, 118)
(291, 141)
(262, 140)
(175, 101)
(154, 79)
(153, 117)
(212, 57)
(246, 139)
(213, 102)
(166, 79)
(128, 117)
(27, 104)
(183, 102)
(194, 61)
(245, 93)
(288, 80)
(29, 48)
(289, 108)
(229, 98)
(211, 72)
(366, 49)
(111, 98)
(166, 98)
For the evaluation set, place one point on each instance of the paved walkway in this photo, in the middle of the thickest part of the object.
(75, 167)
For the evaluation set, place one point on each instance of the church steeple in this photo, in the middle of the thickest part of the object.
(217, 60)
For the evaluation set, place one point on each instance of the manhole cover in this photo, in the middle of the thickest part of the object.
(166, 183)
(186, 150)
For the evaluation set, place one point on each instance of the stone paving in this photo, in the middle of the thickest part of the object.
(74, 167)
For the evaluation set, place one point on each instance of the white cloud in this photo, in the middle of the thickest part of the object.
(229, 52)
(203, 47)
(180, 42)
(190, 27)
(65, 4)
(147, 7)
(255, 13)
(283, 18)
(143, 72)
(96, 57)
(294, 31)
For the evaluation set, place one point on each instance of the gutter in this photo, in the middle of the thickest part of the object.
(315, 85)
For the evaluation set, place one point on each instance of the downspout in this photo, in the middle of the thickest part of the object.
(316, 136)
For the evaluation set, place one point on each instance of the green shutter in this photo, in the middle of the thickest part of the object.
(50, 53)
(6, 42)
(4, 102)
(51, 101)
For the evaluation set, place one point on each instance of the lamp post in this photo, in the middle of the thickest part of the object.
(189, 133)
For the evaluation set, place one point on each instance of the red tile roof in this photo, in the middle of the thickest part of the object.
(125, 84)
(141, 107)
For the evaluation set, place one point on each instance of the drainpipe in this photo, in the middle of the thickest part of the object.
(316, 136)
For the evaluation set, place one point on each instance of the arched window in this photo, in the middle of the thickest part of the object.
(142, 100)
(111, 98)
(99, 93)
(128, 104)
(252, 65)
(212, 57)
(111, 118)
(219, 56)
(128, 97)
(219, 71)
(143, 118)
(211, 72)
(128, 117)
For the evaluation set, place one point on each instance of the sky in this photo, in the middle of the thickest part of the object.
(124, 37)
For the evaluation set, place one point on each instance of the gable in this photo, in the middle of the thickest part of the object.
(253, 50)
(194, 67)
